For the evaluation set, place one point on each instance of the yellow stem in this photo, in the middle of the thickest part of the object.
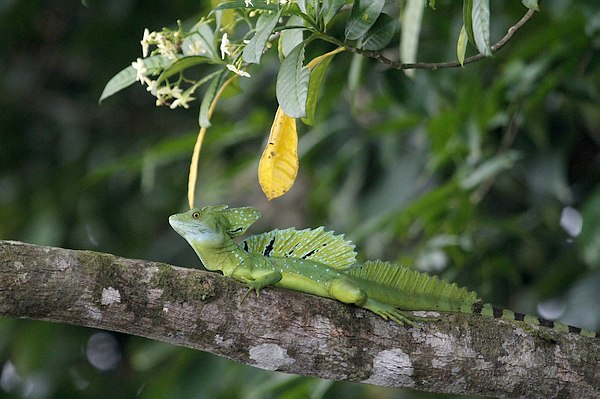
(193, 176)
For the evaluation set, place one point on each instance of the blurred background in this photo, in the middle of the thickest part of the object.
(487, 175)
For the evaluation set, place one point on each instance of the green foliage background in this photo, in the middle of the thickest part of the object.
(462, 172)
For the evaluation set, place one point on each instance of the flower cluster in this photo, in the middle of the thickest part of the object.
(161, 49)
(167, 42)
(229, 51)
(166, 94)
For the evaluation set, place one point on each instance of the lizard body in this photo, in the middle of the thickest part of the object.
(320, 263)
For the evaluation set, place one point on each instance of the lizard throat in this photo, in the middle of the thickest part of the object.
(225, 258)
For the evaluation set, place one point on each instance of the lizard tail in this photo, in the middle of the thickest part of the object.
(485, 309)
(408, 289)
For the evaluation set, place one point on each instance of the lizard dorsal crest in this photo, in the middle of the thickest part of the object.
(240, 219)
(412, 282)
(316, 245)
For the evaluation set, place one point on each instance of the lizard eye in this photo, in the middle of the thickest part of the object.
(196, 215)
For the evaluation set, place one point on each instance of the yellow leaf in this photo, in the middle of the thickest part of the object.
(315, 61)
(278, 165)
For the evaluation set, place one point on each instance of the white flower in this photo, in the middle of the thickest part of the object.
(248, 3)
(166, 44)
(224, 46)
(151, 86)
(145, 42)
(195, 48)
(181, 100)
(140, 70)
(237, 71)
(175, 92)
(167, 91)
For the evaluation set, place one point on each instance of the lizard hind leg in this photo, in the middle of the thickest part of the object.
(348, 292)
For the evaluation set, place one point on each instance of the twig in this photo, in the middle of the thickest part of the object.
(431, 65)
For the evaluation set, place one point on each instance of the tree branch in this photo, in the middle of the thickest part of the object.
(293, 332)
(430, 65)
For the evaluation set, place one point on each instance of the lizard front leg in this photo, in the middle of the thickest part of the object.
(256, 279)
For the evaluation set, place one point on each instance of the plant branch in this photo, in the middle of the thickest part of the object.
(430, 65)
(293, 332)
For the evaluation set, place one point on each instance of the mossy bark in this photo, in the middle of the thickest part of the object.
(293, 332)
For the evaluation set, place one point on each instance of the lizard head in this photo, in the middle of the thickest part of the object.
(213, 226)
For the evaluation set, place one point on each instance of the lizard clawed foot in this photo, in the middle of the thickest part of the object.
(251, 287)
(257, 280)
(390, 312)
(399, 318)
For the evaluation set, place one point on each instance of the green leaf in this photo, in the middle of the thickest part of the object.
(206, 36)
(292, 83)
(181, 65)
(127, 76)
(290, 38)
(330, 8)
(363, 15)
(412, 17)
(317, 74)
(380, 34)
(461, 45)
(241, 4)
(166, 150)
(481, 26)
(468, 19)
(264, 27)
(531, 4)
(489, 168)
(425, 207)
(308, 7)
(209, 96)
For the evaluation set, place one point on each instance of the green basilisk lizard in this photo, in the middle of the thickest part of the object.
(318, 262)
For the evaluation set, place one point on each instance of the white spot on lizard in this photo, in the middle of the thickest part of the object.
(392, 366)
(270, 356)
(110, 296)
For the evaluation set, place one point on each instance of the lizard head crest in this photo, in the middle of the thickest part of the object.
(213, 225)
